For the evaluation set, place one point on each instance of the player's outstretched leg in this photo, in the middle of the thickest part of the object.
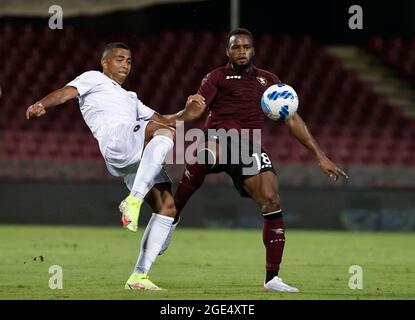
(192, 179)
(263, 190)
(169, 237)
(158, 229)
(153, 238)
(160, 140)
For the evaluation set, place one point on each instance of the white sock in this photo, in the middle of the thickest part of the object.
(154, 236)
(169, 236)
(150, 165)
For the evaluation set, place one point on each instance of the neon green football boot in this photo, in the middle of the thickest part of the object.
(140, 281)
(130, 209)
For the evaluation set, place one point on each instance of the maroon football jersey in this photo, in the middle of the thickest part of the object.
(234, 99)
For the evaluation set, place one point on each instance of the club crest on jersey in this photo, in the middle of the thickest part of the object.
(233, 77)
(262, 81)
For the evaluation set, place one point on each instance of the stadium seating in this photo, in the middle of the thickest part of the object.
(396, 52)
(351, 122)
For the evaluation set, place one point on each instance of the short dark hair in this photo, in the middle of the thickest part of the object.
(113, 45)
(240, 31)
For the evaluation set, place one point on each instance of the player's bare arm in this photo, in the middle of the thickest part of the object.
(157, 117)
(195, 107)
(53, 99)
(299, 129)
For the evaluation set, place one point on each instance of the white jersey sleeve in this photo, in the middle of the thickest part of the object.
(86, 82)
(144, 112)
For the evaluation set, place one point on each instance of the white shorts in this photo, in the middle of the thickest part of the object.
(124, 150)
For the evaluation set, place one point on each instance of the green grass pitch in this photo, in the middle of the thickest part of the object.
(205, 264)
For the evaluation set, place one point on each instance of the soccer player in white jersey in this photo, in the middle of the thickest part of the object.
(134, 141)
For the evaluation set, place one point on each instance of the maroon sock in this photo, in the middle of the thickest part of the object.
(192, 179)
(273, 236)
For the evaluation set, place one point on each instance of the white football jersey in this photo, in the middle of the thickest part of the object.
(105, 105)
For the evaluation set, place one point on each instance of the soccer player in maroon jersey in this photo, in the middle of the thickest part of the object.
(232, 95)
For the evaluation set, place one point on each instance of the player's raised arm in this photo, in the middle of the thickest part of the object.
(299, 129)
(53, 99)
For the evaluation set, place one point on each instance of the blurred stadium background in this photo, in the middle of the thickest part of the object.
(356, 91)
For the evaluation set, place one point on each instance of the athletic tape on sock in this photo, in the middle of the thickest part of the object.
(272, 215)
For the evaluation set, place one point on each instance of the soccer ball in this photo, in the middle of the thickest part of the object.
(279, 102)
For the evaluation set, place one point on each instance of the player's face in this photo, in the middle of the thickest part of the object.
(117, 64)
(240, 50)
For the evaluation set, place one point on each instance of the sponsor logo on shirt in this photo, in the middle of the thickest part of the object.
(136, 128)
(233, 77)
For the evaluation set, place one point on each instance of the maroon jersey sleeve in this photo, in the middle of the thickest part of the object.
(274, 78)
(209, 87)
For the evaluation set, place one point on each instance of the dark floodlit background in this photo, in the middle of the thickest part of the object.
(356, 90)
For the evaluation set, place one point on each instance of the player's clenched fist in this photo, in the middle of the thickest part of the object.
(35, 110)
